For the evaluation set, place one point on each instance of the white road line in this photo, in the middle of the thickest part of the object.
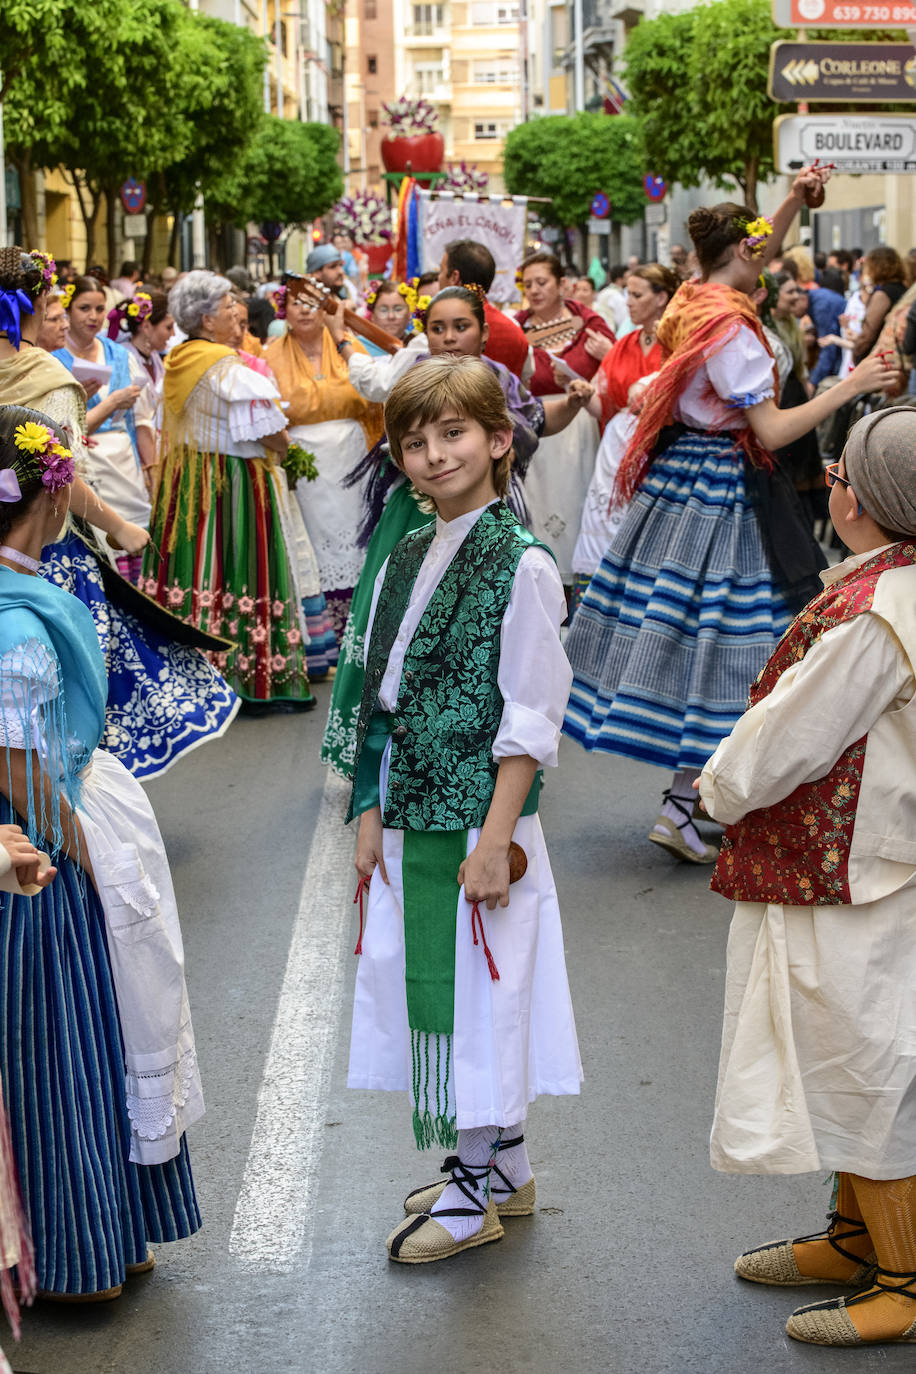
(274, 1215)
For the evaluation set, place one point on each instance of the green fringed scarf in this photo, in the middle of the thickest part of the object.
(430, 867)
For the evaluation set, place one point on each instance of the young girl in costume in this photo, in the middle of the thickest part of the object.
(461, 993)
(455, 326)
(817, 786)
(714, 554)
(97, 1050)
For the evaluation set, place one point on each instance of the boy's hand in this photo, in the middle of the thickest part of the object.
(485, 875)
(369, 853)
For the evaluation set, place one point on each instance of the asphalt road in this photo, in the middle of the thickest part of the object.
(626, 1267)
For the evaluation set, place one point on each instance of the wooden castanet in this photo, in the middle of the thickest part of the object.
(316, 292)
(518, 862)
(559, 333)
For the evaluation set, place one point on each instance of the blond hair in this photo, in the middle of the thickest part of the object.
(466, 386)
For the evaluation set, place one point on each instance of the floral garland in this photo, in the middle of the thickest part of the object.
(66, 296)
(410, 116)
(365, 216)
(42, 455)
(464, 178)
(48, 268)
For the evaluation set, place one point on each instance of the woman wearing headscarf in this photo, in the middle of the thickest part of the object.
(817, 787)
(220, 558)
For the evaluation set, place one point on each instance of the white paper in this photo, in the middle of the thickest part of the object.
(86, 371)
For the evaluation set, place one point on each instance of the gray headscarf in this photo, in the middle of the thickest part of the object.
(880, 459)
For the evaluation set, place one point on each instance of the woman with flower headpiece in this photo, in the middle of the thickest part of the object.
(330, 419)
(221, 559)
(96, 1045)
(388, 306)
(164, 698)
(121, 415)
(713, 555)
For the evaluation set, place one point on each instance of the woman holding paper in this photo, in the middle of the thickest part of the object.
(121, 411)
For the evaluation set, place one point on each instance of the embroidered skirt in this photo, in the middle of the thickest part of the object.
(91, 1211)
(680, 617)
(400, 515)
(164, 699)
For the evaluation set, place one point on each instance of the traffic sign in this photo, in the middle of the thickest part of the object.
(133, 196)
(842, 71)
(853, 143)
(836, 14)
(601, 206)
(654, 186)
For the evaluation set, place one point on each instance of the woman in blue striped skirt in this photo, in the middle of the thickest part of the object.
(96, 1046)
(713, 557)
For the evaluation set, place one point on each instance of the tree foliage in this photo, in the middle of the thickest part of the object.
(570, 158)
(698, 82)
(288, 174)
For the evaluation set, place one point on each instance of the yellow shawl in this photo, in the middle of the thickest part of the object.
(332, 398)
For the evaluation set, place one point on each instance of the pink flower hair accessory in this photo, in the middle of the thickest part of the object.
(40, 454)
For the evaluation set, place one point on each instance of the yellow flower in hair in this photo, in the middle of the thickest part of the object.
(759, 228)
(133, 309)
(424, 302)
(31, 438)
(66, 296)
(53, 278)
(142, 296)
(403, 288)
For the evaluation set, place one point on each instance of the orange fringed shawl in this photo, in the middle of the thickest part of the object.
(701, 319)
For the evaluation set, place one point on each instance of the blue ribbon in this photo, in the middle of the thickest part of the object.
(12, 305)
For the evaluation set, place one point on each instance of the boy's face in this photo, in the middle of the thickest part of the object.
(451, 459)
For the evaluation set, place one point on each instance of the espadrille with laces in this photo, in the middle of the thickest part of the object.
(775, 1262)
(510, 1201)
(830, 1323)
(422, 1240)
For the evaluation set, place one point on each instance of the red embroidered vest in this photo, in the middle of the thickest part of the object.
(797, 851)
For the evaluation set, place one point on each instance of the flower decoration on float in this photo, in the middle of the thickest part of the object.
(757, 231)
(39, 454)
(48, 268)
(66, 296)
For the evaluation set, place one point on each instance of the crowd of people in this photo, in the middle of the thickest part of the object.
(214, 494)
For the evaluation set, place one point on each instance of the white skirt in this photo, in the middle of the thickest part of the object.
(514, 1038)
(599, 523)
(556, 485)
(115, 476)
(332, 512)
(818, 1064)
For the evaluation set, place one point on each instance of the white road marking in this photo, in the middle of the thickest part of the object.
(275, 1213)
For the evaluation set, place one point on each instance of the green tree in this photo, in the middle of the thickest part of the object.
(571, 157)
(698, 82)
(289, 175)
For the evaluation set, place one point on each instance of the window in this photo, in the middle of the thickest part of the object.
(370, 9)
(486, 12)
(372, 65)
(495, 73)
(487, 129)
(373, 119)
(427, 19)
(427, 76)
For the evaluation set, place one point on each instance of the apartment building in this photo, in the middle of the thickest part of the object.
(370, 82)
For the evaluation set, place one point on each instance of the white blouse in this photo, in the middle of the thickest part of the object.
(534, 675)
(247, 408)
(738, 376)
(374, 376)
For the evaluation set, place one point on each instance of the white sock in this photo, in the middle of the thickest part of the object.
(476, 1150)
(681, 792)
(513, 1162)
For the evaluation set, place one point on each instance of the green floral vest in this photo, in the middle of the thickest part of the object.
(442, 772)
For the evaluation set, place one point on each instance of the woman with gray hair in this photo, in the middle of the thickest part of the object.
(219, 557)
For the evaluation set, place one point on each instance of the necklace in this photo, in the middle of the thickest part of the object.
(648, 337)
(23, 559)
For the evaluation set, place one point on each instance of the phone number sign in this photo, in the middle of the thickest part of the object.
(794, 14)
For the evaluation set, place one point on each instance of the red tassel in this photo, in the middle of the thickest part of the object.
(361, 887)
(491, 963)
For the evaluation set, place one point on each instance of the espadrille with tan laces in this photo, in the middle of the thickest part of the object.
(512, 1199)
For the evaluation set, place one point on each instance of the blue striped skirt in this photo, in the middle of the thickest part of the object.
(91, 1211)
(679, 618)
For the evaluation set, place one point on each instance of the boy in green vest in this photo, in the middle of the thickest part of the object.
(466, 686)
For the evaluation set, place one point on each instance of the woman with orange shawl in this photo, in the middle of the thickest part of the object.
(219, 557)
(328, 417)
(713, 556)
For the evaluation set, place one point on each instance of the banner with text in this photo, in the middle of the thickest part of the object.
(497, 222)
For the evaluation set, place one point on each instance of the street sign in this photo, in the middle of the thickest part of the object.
(601, 206)
(854, 143)
(842, 71)
(835, 14)
(133, 196)
(654, 186)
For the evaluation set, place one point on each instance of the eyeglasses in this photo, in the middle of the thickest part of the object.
(832, 475)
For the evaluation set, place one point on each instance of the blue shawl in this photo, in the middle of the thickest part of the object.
(118, 359)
